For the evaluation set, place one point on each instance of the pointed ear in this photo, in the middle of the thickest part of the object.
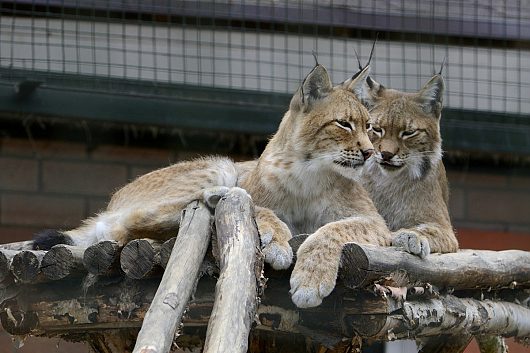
(316, 86)
(366, 89)
(430, 97)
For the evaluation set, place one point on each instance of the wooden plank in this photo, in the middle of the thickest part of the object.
(178, 281)
(241, 264)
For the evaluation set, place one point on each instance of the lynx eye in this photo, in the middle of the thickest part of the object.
(408, 133)
(344, 124)
(377, 130)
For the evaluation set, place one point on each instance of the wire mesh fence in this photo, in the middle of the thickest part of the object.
(266, 45)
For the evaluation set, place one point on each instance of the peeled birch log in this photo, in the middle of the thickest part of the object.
(467, 269)
(21, 245)
(62, 261)
(177, 284)
(102, 258)
(241, 265)
(26, 265)
(140, 258)
(459, 316)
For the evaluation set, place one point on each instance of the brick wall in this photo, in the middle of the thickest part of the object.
(54, 184)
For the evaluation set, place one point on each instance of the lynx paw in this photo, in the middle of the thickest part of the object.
(278, 255)
(213, 194)
(412, 243)
(310, 286)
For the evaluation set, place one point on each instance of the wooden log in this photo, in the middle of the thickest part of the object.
(26, 265)
(6, 256)
(460, 316)
(165, 251)
(140, 258)
(21, 245)
(491, 344)
(103, 258)
(177, 284)
(63, 261)
(362, 265)
(241, 264)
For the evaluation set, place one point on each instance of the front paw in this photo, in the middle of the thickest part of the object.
(412, 243)
(311, 281)
(277, 254)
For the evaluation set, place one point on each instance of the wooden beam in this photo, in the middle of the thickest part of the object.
(240, 279)
(363, 265)
(178, 281)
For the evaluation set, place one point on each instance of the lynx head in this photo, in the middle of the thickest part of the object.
(404, 127)
(327, 126)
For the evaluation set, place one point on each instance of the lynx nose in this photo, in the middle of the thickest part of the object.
(387, 156)
(367, 153)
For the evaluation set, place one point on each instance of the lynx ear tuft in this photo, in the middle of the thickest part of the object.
(430, 97)
(365, 88)
(316, 86)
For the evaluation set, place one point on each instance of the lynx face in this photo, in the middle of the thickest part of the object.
(335, 134)
(327, 127)
(404, 127)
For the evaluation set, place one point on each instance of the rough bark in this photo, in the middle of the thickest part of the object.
(140, 258)
(177, 284)
(364, 264)
(103, 258)
(63, 261)
(241, 264)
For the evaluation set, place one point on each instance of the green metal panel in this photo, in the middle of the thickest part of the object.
(230, 110)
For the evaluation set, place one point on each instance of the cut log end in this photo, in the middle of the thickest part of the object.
(140, 258)
(165, 251)
(102, 257)
(62, 261)
(26, 265)
(355, 259)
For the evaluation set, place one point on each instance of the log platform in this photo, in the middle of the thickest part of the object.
(382, 294)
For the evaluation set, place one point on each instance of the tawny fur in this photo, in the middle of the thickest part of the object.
(306, 181)
(410, 190)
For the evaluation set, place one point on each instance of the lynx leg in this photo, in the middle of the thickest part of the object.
(275, 237)
(318, 258)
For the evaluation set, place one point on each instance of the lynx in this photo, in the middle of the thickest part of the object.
(306, 181)
(405, 177)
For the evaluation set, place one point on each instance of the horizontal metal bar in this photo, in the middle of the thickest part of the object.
(227, 110)
(308, 13)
